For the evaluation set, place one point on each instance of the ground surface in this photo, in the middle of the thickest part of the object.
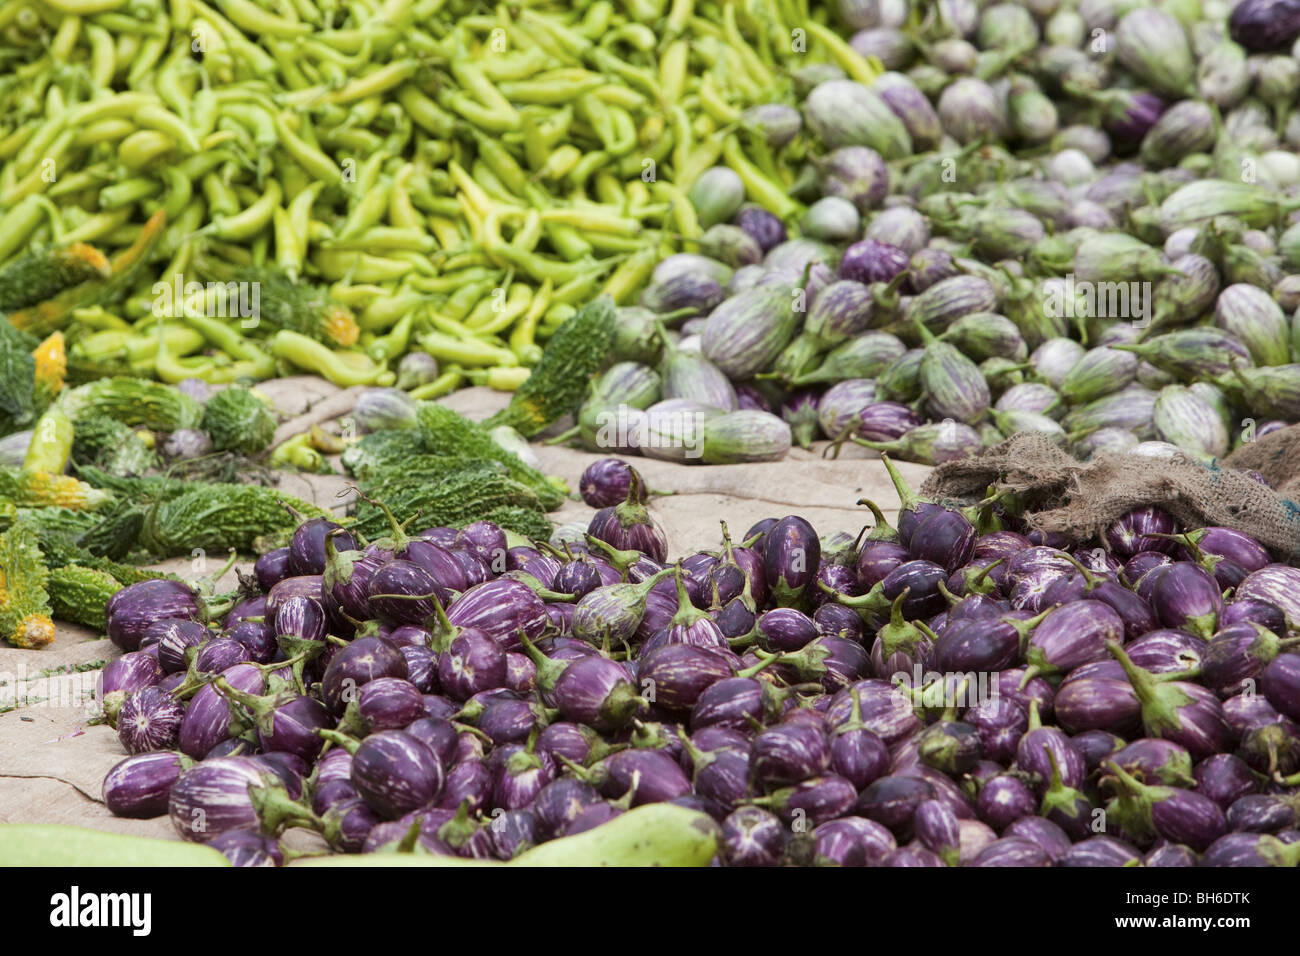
(52, 761)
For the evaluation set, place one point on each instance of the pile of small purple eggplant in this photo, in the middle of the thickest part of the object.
(956, 690)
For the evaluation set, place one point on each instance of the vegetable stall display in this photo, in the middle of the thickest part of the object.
(1017, 227)
(324, 188)
(955, 691)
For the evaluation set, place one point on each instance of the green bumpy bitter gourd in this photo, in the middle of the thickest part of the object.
(558, 383)
(25, 613)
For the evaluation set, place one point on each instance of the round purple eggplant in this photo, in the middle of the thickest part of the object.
(209, 719)
(271, 568)
(1186, 596)
(150, 719)
(228, 793)
(140, 786)
(1224, 778)
(607, 482)
(131, 611)
(1101, 851)
(791, 556)
(1141, 530)
(501, 609)
(788, 753)
(362, 661)
(1280, 684)
(248, 848)
(751, 836)
(395, 773)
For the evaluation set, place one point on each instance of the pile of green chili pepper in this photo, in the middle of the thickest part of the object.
(460, 177)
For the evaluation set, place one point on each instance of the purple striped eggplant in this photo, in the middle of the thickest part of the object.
(502, 609)
(1003, 800)
(133, 609)
(173, 637)
(1051, 839)
(950, 746)
(857, 753)
(1224, 778)
(1097, 703)
(1001, 723)
(608, 482)
(140, 785)
(1013, 851)
(230, 793)
(307, 554)
(615, 611)
(1251, 849)
(1101, 851)
(362, 661)
(1277, 584)
(791, 555)
(472, 663)
(1280, 684)
(939, 830)
(1261, 813)
(1253, 610)
(1041, 748)
(1187, 596)
(814, 801)
(150, 719)
(218, 653)
(1072, 635)
(788, 753)
(677, 674)
(1237, 655)
(396, 772)
(1179, 711)
(751, 836)
(892, 802)
(1142, 529)
(123, 676)
(1177, 815)
(629, 526)
(209, 719)
(1170, 855)
(913, 855)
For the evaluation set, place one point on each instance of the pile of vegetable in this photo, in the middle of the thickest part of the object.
(389, 174)
(1069, 219)
(959, 690)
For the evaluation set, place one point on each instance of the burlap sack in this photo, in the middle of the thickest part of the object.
(1076, 498)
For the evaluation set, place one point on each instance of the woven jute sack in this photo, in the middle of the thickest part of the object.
(1079, 499)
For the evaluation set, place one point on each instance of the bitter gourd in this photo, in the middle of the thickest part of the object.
(51, 358)
(463, 496)
(216, 517)
(55, 312)
(237, 420)
(17, 378)
(133, 401)
(381, 450)
(80, 595)
(44, 273)
(25, 616)
(282, 303)
(526, 521)
(109, 444)
(36, 488)
(558, 383)
(444, 432)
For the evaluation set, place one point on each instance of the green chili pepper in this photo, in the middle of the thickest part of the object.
(476, 352)
(445, 383)
(758, 187)
(342, 368)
